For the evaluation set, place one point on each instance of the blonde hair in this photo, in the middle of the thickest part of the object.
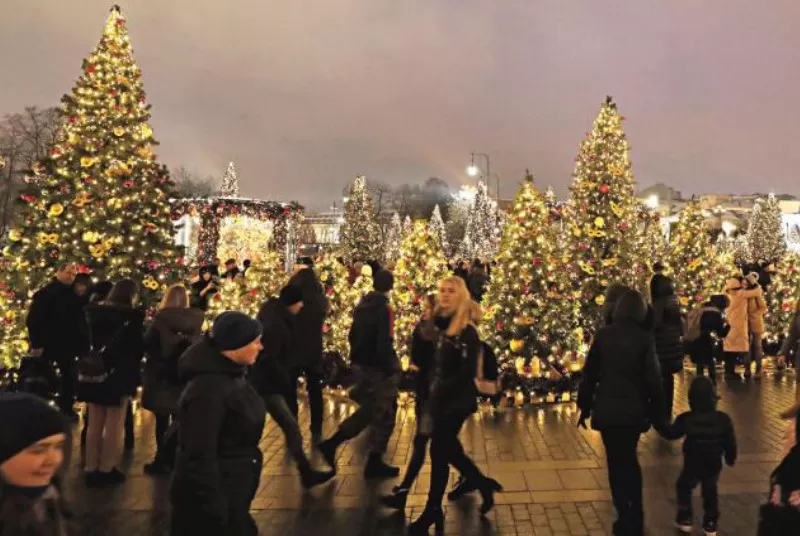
(464, 310)
(175, 296)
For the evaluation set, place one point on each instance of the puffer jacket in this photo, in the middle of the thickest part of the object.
(667, 326)
(738, 339)
(621, 384)
(270, 374)
(372, 334)
(756, 309)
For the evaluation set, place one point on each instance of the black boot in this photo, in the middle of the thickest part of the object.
(430, 516)
(396, 500)
(328, 450)
(488, 488)
(462, 487)
(310, 478)
(376, 468)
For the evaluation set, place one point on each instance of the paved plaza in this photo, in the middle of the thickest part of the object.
(553, 473)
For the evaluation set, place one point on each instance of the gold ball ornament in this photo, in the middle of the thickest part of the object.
(517, 345)
(119, 131)
(90, 236)
(87, 161)
(599, 222)
(15, 235)
(600, 299)
(56, 209)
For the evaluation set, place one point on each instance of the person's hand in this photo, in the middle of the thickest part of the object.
(582, 420)
(36, 352)
(413, 368)
(781, 361)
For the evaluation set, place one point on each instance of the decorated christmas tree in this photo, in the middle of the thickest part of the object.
(419, 269)
(100, 199)
(230, 182)
(782, 299)
(765, 237)
(480, 236)
(247, 294)
(438, 229)
(650, 246)
(359, 234)
(691, 259)
(391, 242)
(532, 322)
(342, 299)
(408, 226)
(602, 245)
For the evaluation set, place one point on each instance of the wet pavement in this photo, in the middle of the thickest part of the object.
(553, 473)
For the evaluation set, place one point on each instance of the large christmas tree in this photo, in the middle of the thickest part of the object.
(100, 199)
(419, 269)
(782, 299)
(438, 229)
(692, 261)
(533, 324)
(392, 239)
(765, 237)
(602, 244)
(342, 299)
(480, 236)
(359, 235)
(230, 182)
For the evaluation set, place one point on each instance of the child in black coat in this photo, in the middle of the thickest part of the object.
(709, 437)
(712, 327)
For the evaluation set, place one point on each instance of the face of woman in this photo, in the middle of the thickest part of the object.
(35, 466)
(206, 276)
(247, 355)
(448, 297)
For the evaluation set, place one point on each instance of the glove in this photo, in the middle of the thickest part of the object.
(582, 420)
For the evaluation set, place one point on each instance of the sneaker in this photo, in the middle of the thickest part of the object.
(710, 528)
(684, 523)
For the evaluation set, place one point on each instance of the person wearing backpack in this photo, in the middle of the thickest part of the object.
(108, 377)
(453, 399)
(705, 324)
(175, 327)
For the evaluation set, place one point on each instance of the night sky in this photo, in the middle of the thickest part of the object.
(304, 95)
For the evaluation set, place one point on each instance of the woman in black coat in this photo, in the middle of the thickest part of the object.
(453, 399)
(307, 348)
(220, 418)
(620, 391)
(115, 331)
(175, 327)
(203, 289)
(668, 333)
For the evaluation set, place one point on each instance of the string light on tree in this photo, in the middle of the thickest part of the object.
(391, 243)
(359, 234)
(765, 239)
(480, 236)
(247, 293)
(230, 182)
(438, 229)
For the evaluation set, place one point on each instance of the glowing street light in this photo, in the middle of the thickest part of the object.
(652, 202)
(473, 170)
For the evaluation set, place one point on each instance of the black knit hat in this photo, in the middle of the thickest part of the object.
(233, 330)
(384, 281)
(24, 420)
(290, 294)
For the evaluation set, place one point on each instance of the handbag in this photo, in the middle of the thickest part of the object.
(92, 367)
(37, 377)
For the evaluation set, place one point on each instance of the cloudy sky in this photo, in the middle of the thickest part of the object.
(305, 94)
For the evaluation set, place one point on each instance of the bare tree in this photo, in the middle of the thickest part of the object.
(189, 183)
(24, 139)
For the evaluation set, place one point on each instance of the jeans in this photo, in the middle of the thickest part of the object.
(314, 387)
(707, 476)
(446, 450)
(279, 410)
(376, 395)
(625, 479)
(668, 382)
(756, 353)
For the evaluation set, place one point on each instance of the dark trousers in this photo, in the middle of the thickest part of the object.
(668, 382)
(314, 387)
(163, 421)
(279, 410)
(376, 395)
(69, 382)
(419, 447)
(712, 371)
(446, 450)
(705, 474)
(625, 480)
(730, 362)
(129, 436)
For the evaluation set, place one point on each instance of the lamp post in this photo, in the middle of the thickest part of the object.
(473, 170)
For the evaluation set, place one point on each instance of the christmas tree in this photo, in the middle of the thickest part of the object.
(342, 299)
(359, 235)
(391, 243)
(247, 294)
(533, 323)
(480, 236)
(691, 259)
(601, 245)
(765, 239)
(419, 269)
(650, 245)
(408, 226)
(100, 199)
(438, 229)
(230, 182)
(782, 299)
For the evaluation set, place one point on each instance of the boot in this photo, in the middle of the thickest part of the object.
(396, 500)
(430, 516)
(487, 489)
(376, 468)
(310, 478)
(462, 487)
(328, 450)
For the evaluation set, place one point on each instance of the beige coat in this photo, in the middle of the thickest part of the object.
(756, 309)
(738, 339)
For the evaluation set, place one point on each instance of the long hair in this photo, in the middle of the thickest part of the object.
(176, 296)
(124, 293)
(464, 309)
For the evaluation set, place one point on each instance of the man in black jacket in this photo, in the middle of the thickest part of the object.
(272, 380)
(375, 360)
(55, 329)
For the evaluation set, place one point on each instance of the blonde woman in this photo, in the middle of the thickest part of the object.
(175, 327)
(453, 398)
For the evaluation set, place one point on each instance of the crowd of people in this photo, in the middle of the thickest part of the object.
(210, 392)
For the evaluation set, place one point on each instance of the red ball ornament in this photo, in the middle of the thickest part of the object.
(537, 261)
(286, 210)
(128, 184)
(91, 68)
(28, 198)
(325, 328)
(72, 120)
(604, 189)
(623, 226)
(499, 326)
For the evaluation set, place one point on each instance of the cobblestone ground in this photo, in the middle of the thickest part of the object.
(553, 473)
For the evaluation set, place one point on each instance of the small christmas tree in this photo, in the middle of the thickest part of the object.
(602, 244)
(247, 294)
(230, 182)
(333, 276)
(438, 229)
(765, 239)
(782, 299)
(408, 226)
(650, 245)
(359, 234)
(419, 269)
(391, 243)
(691, 259)
(480, 237)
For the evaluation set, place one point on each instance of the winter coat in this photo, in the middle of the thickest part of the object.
(172, 330)
(231, 274)
(462, 273)
(667, 326)
(198, 301)
(56, 323)
(712, 322)
(709, 433)
(657, 286)
(372, 334)
(738, 339)
(423, 356)
(119, 330)
(621, 384)
(24, 516)
(307, 348)
(270, 373)
(453, 391)
(476, 282)
(756, 309)
(220, 421)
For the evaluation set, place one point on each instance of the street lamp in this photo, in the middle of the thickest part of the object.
(473, 170)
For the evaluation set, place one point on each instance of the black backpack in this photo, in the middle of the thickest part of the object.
(92, 368)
